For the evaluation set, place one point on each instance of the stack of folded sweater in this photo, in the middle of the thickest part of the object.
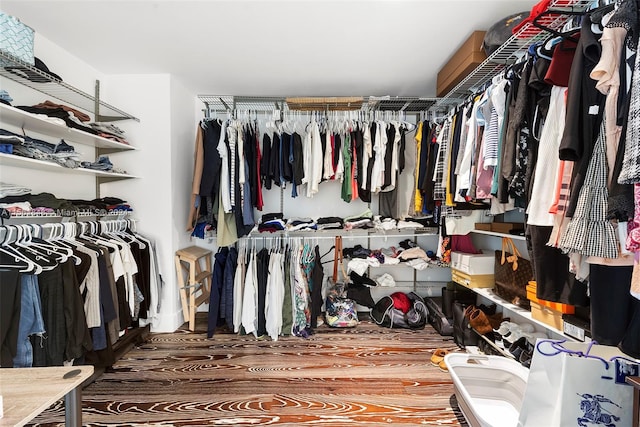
(272, 222)
(301, 224)
(329, 223)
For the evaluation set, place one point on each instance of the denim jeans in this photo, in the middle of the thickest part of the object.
(103, 164)
(31, 322)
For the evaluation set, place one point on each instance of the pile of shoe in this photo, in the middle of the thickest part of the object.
(518, 339)
(437, 359)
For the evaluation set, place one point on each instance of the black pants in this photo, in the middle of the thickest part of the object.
(551, 271)
(10, 302)
(51, 351)
(262, 273)
(612, 306)
(317, 276)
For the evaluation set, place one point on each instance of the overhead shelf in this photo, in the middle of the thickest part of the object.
(30, 76)
(31, 122)
(512, 50)
(407, 104)
(42, 165)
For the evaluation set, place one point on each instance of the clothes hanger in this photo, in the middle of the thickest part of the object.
(24, 265)
(34, 241)
(570, 11)
(23, 244)
(27, 265)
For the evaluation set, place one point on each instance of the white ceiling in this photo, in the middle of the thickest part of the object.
(267, 47)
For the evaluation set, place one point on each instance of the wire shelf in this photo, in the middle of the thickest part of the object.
(253, 103)
(34, 78)
(407, 104)
(513, 49)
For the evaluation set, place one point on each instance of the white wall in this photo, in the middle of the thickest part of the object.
(183, 133)
(165, 140)
(148, 98)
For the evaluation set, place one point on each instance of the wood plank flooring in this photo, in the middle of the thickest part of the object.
(369, 376)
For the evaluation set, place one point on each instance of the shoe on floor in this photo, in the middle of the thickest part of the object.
(443, 366)
(438, 356)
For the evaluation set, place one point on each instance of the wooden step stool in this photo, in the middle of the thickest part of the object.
(196, 290)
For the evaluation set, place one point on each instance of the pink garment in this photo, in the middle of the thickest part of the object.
(633, 237)
(484, 178)
(464, 244)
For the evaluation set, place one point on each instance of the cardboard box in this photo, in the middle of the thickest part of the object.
(473, 264)
(562, 308)
(466, 59)
(485, 226)
(506, 227)
(547, 315)
(473, 280)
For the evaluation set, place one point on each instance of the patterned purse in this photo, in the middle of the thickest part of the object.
(340, 311)
(512, 273)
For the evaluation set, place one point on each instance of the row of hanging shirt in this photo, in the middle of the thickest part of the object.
(232, 168)
(486, 147)
(363, 153)
(548, 136)
(267, 292)
(103, 275)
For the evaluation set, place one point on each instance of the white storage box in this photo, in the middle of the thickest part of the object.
(479, 264)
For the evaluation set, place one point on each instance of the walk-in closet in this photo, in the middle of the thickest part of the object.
(343, 212)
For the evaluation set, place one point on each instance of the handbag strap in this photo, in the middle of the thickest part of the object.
(507, 243)
(341, 262)
(337, 257)
(338, 261)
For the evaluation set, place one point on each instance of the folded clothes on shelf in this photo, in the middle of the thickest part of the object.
(108, 128)
(8, 190)
(300, 224)
(69, 118)
(33, 148)
(275, 221)
(5, 98)
(48, 203)
(103, 164)
(17, 207)
(7, 137)
(329, 223)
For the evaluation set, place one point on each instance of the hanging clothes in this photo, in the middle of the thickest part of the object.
(69, 293)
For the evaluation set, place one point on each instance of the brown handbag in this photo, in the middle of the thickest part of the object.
(512, 274)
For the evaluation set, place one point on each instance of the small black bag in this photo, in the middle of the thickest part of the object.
(463, 334)
(437, 318)
(384, 313)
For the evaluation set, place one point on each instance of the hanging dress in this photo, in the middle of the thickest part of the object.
(589, 232)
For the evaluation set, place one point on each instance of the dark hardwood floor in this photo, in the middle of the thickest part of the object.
(369, 376)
